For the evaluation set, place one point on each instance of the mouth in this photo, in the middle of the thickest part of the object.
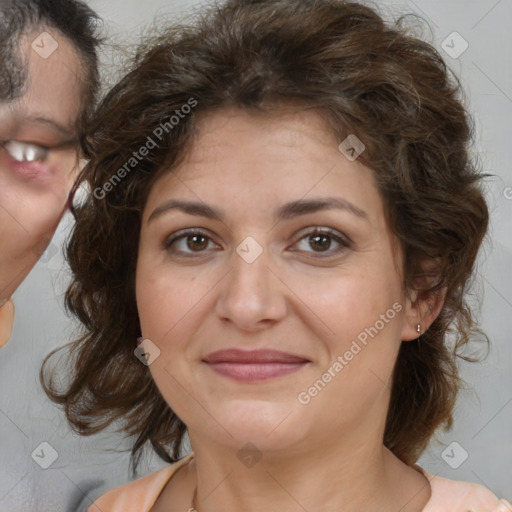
(254, 365)
(27, 169)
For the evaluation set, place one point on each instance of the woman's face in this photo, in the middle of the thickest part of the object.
(268, 279)
(38, 159)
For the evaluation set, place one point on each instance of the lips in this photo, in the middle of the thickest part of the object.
(31, 169)
(254, 365)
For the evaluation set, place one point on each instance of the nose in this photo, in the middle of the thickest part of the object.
(252, 296)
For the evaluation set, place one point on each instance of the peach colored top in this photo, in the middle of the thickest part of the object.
(6, 322)
(447, 495)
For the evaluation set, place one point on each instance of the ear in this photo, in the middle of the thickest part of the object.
(422, 308)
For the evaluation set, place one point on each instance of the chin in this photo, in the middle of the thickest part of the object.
(267, 425)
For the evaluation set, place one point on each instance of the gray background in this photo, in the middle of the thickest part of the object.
(483, 424)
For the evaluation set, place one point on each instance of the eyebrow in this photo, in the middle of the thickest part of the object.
(51, 123)
(284, 212)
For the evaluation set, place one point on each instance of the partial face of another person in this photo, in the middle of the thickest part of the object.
(38, 156)
(319, 267)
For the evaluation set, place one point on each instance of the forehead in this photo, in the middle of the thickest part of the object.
(257, 161)
(54, 81)
(287, 131)
(235, 146)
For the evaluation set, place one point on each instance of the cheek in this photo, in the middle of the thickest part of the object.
(361, 305)
(168, 304)
(31, 206)
(28, 226)
(166, 300)
(369, 337)
(31, 214)
(349, 300)
(355, 377)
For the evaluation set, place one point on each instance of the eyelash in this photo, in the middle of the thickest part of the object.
(343, 241)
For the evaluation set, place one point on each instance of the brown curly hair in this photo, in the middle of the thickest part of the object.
(366, 77)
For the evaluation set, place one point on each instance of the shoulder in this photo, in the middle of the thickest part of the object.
(453, 496)
(139, 495)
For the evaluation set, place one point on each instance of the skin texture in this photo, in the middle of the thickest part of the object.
(33, 195)
(293, 298)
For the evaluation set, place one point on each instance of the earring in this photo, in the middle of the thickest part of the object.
(418, 328)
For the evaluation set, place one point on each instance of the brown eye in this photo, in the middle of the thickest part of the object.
(189, 243)
(320, 242)
(197, 242)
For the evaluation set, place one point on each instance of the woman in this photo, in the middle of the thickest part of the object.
(284, 215)
(48, 83)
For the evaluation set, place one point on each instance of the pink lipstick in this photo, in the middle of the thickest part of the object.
(254, 365)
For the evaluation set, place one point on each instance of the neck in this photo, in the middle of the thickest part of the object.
(365, 477)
